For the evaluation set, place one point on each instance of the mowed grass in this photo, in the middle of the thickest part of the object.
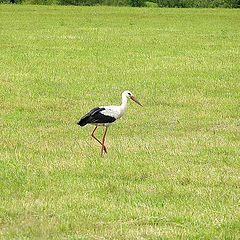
(173, 167)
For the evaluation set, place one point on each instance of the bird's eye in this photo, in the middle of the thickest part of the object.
(129, 94)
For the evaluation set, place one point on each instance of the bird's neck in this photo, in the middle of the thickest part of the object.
(124, 104)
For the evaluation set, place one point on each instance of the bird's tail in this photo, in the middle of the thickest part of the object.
(83, 121)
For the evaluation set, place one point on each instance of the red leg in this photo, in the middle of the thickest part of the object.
(103, 141)
(104, 148)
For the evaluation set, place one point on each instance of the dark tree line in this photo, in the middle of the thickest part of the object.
(138, 3)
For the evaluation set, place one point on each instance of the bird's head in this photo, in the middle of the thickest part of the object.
(128, 94)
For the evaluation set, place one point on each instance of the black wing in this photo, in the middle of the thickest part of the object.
(95, 116)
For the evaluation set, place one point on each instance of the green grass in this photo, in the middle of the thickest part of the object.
(172, 171)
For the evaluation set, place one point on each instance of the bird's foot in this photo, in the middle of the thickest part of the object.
(105, 149)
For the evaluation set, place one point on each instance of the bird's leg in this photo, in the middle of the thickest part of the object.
(105, 150)
(103, 141)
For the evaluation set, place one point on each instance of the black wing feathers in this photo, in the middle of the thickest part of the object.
(95, 116)
(86, 118)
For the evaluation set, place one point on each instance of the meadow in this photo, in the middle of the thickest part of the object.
(172, 170)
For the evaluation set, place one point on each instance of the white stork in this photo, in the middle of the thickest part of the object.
(105, 116)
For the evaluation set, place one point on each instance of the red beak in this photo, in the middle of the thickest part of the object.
(136, 101)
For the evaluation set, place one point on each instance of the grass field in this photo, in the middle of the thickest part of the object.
(173, 168)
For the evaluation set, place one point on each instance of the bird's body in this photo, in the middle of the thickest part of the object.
(106, 115)
(97, 117)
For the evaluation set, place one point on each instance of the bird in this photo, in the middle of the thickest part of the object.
(105, 116)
